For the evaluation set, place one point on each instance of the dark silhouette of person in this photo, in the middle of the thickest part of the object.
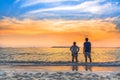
(74, 49)
(87, 50)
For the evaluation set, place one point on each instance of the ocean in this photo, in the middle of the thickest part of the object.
(57, 54)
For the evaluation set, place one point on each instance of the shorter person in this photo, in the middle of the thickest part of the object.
(74, 49)
(87, 50)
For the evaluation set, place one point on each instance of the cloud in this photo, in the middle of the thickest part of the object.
(29, 26)
(92, 9)
(45, 26)
(16, 1)
(88, 6)
(27, 32)
(5, 28)
(115, 20)
(31, 2)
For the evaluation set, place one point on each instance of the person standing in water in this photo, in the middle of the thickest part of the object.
(74, 49)
(87, 50)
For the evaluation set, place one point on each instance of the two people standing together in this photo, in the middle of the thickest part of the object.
(86, 51)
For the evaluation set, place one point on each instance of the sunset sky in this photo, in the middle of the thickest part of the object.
(45, 23)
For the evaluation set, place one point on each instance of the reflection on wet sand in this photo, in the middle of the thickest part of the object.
(86, 67)
(74, 68)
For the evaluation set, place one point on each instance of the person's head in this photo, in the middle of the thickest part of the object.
(74, 43)
(86, 39)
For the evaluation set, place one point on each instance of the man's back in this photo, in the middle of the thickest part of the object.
(74, 49)
(87, 50)
(87, 46)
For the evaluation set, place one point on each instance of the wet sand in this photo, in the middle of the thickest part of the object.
(11, 72)
(59, 71)
(61, 68)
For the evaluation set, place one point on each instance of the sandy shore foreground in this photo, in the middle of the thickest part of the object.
(61, 75)
(18, 71)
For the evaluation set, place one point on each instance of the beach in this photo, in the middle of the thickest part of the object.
(53, 75)
(73, 72)
(55, 64)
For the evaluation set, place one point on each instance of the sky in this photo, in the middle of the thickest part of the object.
(46, 23)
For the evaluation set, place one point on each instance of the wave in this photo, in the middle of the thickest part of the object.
(59, 63)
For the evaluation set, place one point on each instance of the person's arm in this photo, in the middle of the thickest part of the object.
(70, 48)
(90, 47)
(78, 48)
(83, 48)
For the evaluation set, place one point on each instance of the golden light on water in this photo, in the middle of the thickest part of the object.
(57, 54)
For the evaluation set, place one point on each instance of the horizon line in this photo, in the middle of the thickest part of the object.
(57, 47)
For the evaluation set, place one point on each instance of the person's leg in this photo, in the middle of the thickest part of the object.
(72, 58)
(90, 57)
(76, 57)
(85, 57)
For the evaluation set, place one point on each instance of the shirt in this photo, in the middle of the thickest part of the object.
(87, 46)
(74, 49)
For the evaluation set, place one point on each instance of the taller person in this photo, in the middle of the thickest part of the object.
(87, 50)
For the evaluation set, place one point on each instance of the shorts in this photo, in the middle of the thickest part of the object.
(87, 55)
(74, 54)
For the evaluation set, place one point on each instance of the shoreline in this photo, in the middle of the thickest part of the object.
(42, 63)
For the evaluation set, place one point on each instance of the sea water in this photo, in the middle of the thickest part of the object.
(57, 54)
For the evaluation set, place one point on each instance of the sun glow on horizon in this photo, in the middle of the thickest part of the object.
(38, 33)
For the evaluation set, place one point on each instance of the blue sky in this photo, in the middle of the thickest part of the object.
(59, 9)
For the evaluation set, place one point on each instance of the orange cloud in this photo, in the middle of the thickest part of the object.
(56, 32)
